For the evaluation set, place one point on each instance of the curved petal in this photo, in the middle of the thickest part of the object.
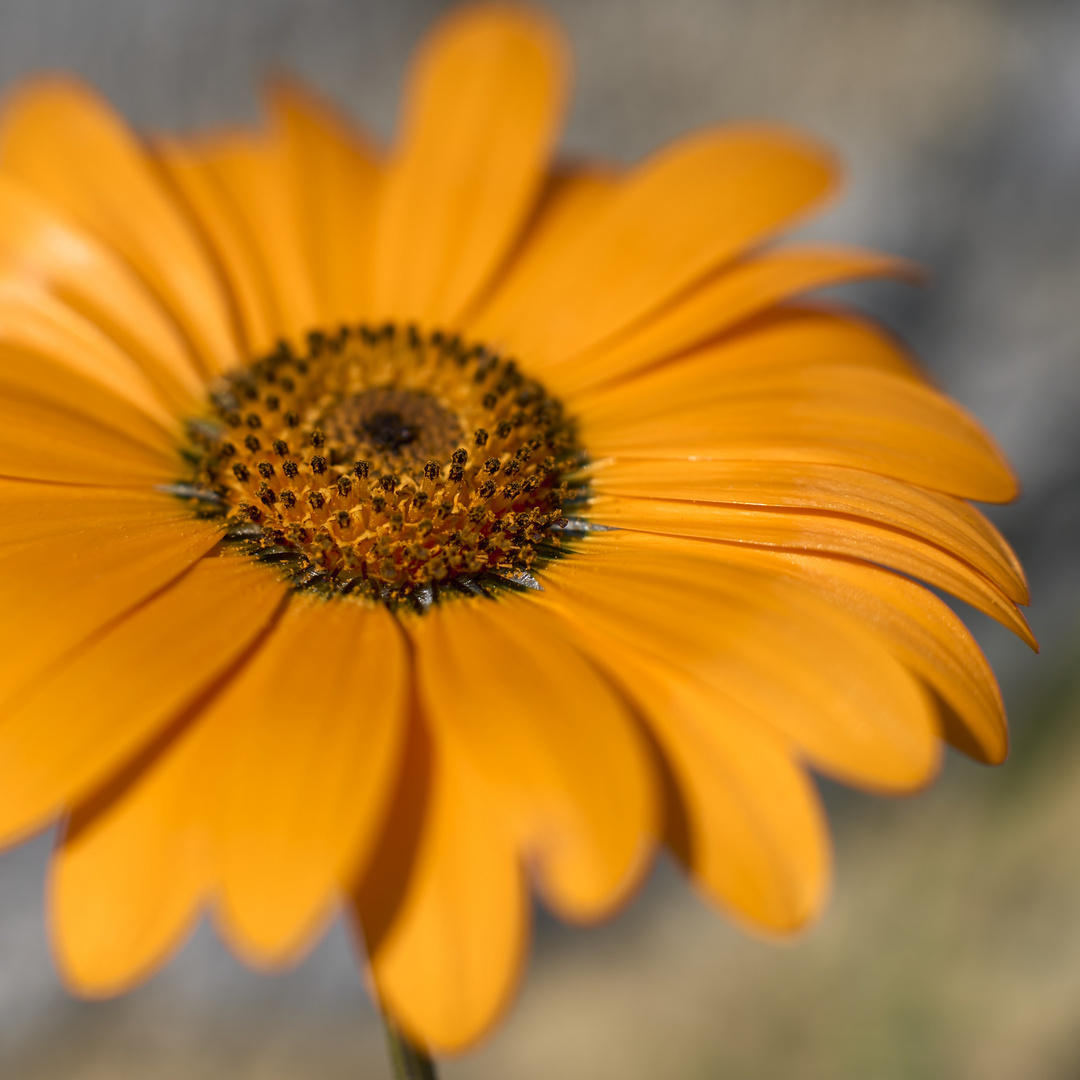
(335, 177)
(248, 279)
(110, 699)
(827, 414)
(378, 891)
(72, 560)
(680, 215)
(448, 964)
(795, 335)
(570, 201)
(914, 624)
(822, 679)
(36, 512)
(254, 184)
(40, 440)
(50, 350)
(37, 245)
(317, 720)
(499, 680)
(810, 531)
(725, 300)
(924, 634)
(133, 869)
(758, 840)
(59, 138)
(484, 104)
(73, 407)
(942, 520)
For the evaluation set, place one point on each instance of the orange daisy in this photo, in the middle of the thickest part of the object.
(416, 531)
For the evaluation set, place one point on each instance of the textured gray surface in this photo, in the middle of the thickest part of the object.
(960, 124)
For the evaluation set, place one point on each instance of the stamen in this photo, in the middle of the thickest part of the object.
(390, 502)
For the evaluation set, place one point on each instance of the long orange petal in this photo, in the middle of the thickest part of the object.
(569, 203)
(726, 299)
(500, 680)
(41, 441)
(819, 677)
(485, 99)
(35, 512)
(133, 869)
(948, 522)
(318, 720)
(51, 351)
(921, 631)
(450, 961)
(253, 172)
(112, 697)
(38, 245)
(334, 175)
(60, 138)
(207, 202)
(810, 531)
(828, 414)
(798, 334)
(686, 211)
(71, 572)
(758, 841)
(913, 623)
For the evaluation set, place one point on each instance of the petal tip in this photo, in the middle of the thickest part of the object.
(489, 25)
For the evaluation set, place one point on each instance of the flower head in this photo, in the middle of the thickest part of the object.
(419, 529)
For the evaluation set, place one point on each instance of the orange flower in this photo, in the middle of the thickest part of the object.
(427, 528)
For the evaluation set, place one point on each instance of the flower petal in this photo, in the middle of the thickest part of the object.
(51, 351)
(38, 245)
(680, 215)
(40, 441)
(924, 634)
(133, 869)
(87, 558)
(819, 677)
(335, 177)
(58, 137)
(724, 300)
(823, 532)
(500, 680)
(799, 334)
(447, 966)
(942, 520)
(570, 201)
(247, 278)
(35, 512)
(758, 841)
(318, 718)
(110, 699)
(253, 177)
(485, 100)
(827, 414)
(915, 625)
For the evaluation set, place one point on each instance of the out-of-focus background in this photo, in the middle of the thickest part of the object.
(951, 948)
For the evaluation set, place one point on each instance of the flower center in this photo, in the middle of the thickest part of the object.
(388, 464)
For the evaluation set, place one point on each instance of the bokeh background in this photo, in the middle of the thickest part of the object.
(951, 948)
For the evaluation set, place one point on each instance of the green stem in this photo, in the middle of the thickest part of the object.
(409, 1062)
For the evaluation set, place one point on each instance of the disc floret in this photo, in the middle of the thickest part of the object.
(389, 464)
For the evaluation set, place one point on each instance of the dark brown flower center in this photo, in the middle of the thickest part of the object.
(388, 464)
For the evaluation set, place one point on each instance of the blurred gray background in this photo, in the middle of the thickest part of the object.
(952, 946)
